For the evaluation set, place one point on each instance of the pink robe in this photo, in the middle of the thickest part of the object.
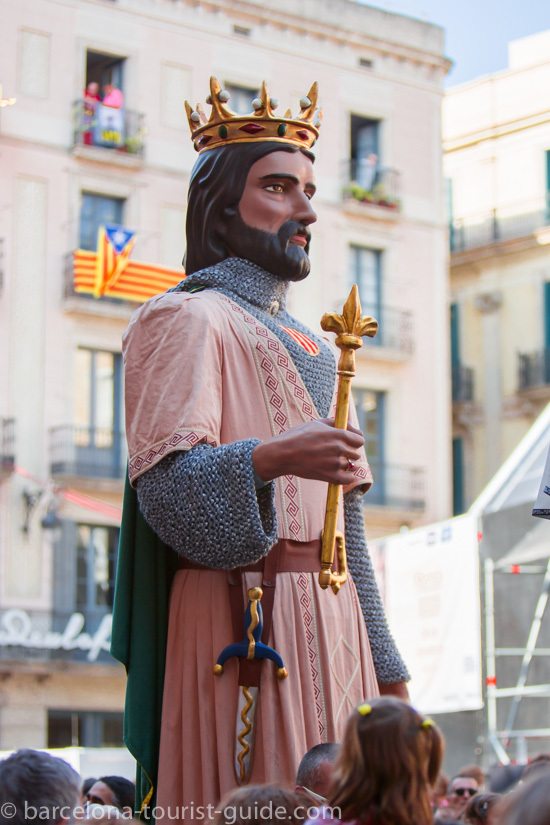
(200, 368)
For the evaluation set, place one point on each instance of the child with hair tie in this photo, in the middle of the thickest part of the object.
(389, 759)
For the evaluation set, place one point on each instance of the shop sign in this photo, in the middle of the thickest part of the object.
(16, 630)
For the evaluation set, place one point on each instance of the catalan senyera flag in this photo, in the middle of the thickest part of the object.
(110, 272)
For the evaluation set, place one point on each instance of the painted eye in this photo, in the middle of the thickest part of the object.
(275, 187)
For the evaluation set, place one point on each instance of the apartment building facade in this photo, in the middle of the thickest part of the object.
(496, 133)
(65, 173)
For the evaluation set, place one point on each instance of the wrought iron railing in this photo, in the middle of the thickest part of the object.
(462, 384)
(376, 185)
(534, 369)
(87, 452)
(7, 445)
(129, 138)
(500, 224)
(395, 330)
(397, 486)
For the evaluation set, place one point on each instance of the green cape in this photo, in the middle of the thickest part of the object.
(145, 571)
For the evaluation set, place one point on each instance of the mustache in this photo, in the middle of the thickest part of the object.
(291, 228)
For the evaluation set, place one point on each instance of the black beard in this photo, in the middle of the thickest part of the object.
(273, 252)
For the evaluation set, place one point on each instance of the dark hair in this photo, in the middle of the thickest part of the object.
(124, 791)
(217, 183)
(308, 769)
(528, 805)
(390, 756)
(479, 806)
(33, 779)
(536, 765)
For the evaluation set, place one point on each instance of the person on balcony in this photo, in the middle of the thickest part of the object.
(112, 97)
(91, 99)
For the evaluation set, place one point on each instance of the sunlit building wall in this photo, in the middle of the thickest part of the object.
(380, 207)
(496, 133)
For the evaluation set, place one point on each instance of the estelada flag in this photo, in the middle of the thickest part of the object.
(114, 247)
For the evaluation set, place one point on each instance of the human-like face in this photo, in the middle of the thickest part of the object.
(100, 794)
(461, 790)
(271, 225)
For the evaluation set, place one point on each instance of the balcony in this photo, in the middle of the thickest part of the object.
(397, 487)
(534, 371)
(496, 225)
(462, 384)
(7, 446)
(395, 332)
(88, 453)
(115, 135)
(380, 187)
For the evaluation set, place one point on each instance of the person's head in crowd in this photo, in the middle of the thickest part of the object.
(529, 804)
(86, 785)
(113, 790)
(438, 790)
(475, 772)
(315, 771)
(389, 758)
(31, 780)
(261, 805)
(92, 90)
(537, 765)
(461, 789)
(480, 810)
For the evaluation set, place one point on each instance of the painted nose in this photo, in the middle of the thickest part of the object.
(305, 213)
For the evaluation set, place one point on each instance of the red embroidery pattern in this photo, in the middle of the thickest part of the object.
(269, 349)
(308, 616)
(282, 359)
(143, 461)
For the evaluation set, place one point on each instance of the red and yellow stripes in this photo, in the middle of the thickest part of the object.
(305, 342)
(137, 281)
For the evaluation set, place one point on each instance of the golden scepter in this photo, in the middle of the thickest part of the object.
(350, 328)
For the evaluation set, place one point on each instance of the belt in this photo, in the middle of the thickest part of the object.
(285, 556)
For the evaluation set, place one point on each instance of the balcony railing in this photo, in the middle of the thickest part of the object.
(500, 224)
(7, 445)
(87, 452)
(125, 133)
(395, 331)
(462, 384)
(534, 370)
(396, 486)
(379, 186)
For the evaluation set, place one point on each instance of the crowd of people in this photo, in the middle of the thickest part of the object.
(386, 771)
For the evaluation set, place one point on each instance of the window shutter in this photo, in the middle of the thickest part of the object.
(64, 583)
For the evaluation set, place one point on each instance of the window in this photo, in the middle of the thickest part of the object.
(96, 211)
(241, 98)
(104, 69)
(366, 272)
(84, 729)
(96, 551)
(364, 151)
(458, 476)
(98, 413)
(370, 412)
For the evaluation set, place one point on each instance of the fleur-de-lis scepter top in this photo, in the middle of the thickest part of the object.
(350, 328)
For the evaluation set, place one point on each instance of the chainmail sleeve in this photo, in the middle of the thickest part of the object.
(388, 664)
(204, 504)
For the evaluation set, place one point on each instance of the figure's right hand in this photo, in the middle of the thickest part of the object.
(314, 450)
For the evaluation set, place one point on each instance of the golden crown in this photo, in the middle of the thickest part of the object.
(225, 126)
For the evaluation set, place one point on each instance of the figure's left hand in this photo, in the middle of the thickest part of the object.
(397, 689)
